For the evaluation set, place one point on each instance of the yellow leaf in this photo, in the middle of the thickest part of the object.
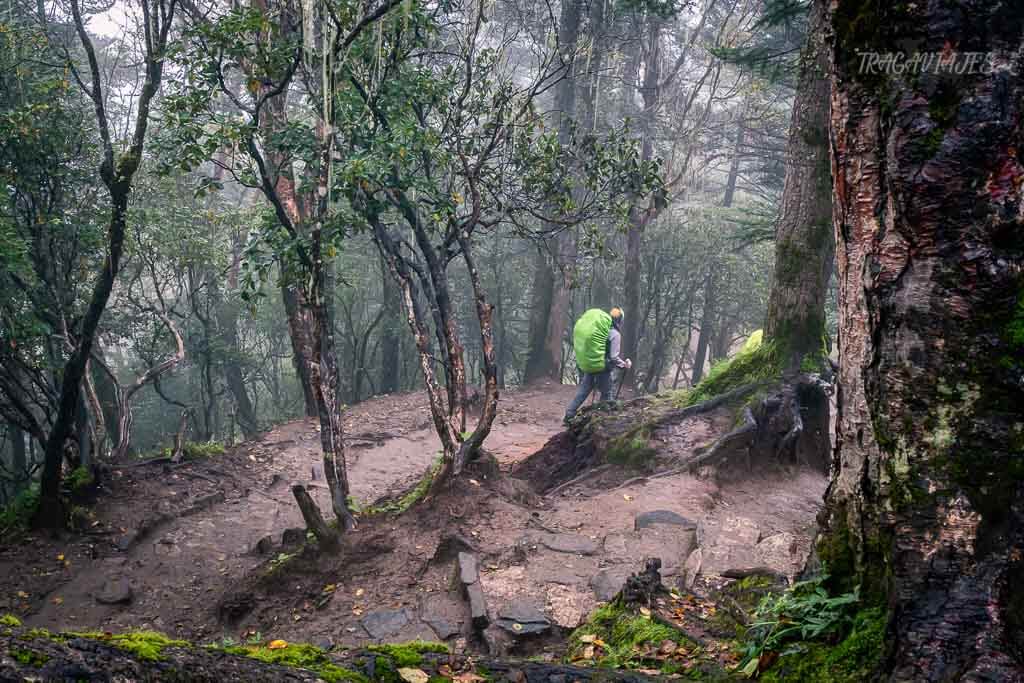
(22, 594)
(329, 588)
(413, 675)
(359, 592)
(645, 611)
(277, 645)
(589, 638)
(626, 497)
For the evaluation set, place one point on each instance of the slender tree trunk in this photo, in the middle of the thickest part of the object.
(640, 216)
(546, 349)
(804, 243)
(539, 363)
(300, 335)
(707, 325)
(227, 314)
(925, 510)
(19, 461)
(390, 346)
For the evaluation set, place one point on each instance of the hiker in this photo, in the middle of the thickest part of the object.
(598, 343)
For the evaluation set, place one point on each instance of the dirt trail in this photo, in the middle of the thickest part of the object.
(554, 557)
(181, 567)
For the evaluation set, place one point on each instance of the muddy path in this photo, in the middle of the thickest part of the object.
(164, 543)
(197, 551)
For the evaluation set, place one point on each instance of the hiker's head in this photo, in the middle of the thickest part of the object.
(616, 314)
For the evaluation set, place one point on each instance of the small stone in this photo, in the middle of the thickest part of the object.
(521, 619)
(570, 543)
(477, 606)
(293, 537)
(468, 570)
(648, 519)
(325, 644)
(608, 582)
(443, 628)
(117, 592)
(385, 622)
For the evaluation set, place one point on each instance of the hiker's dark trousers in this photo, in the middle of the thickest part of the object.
(602, 381)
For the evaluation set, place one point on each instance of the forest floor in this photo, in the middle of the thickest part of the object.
(203, 551)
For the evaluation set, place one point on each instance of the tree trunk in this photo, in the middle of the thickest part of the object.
(707, 325)
(925, 510)
(641, 216)
(300, 334)
(19, 461)
(227, 313)
(804, 243)
(390, 350)
(546, 349)
(539, 364)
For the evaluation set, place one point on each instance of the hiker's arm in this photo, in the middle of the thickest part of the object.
(615, 350)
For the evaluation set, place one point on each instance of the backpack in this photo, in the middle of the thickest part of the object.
(590, 340)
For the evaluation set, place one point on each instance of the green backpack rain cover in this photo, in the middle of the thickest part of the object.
(590, 339)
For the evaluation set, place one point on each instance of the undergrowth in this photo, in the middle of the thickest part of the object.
(17, 514)
(799, 620)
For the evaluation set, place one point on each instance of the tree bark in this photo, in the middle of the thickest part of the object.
(707, 324)
(539, 364)
(117, 174)
(546, 350)
(641, 216)
(804, 243)
(925, 509)
(390, 349)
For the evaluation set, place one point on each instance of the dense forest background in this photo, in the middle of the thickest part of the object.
(202, 337)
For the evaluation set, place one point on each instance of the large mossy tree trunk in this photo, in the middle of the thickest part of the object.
(804, 244)
(925, 510)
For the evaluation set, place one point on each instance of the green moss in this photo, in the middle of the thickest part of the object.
(631, 449)
(300, 656)
(1015, 328)
(17, 514)
(410, 498)
(80, 479)
(411, 653)
(29, 657)
(852, 660)
(143, 644)
(760, 363)
(10, 620)
(623, 634)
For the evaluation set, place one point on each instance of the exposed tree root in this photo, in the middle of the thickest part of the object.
(325, 535)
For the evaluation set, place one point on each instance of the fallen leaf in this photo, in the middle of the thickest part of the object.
(58, 600)
(359, 592)
(277, 645)
(588, 652)
(645, 611)
(413, 675)
(626, 497)
(468, 677)
(329, 588)
(60, 558)
(589, 638)
(22, 594)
